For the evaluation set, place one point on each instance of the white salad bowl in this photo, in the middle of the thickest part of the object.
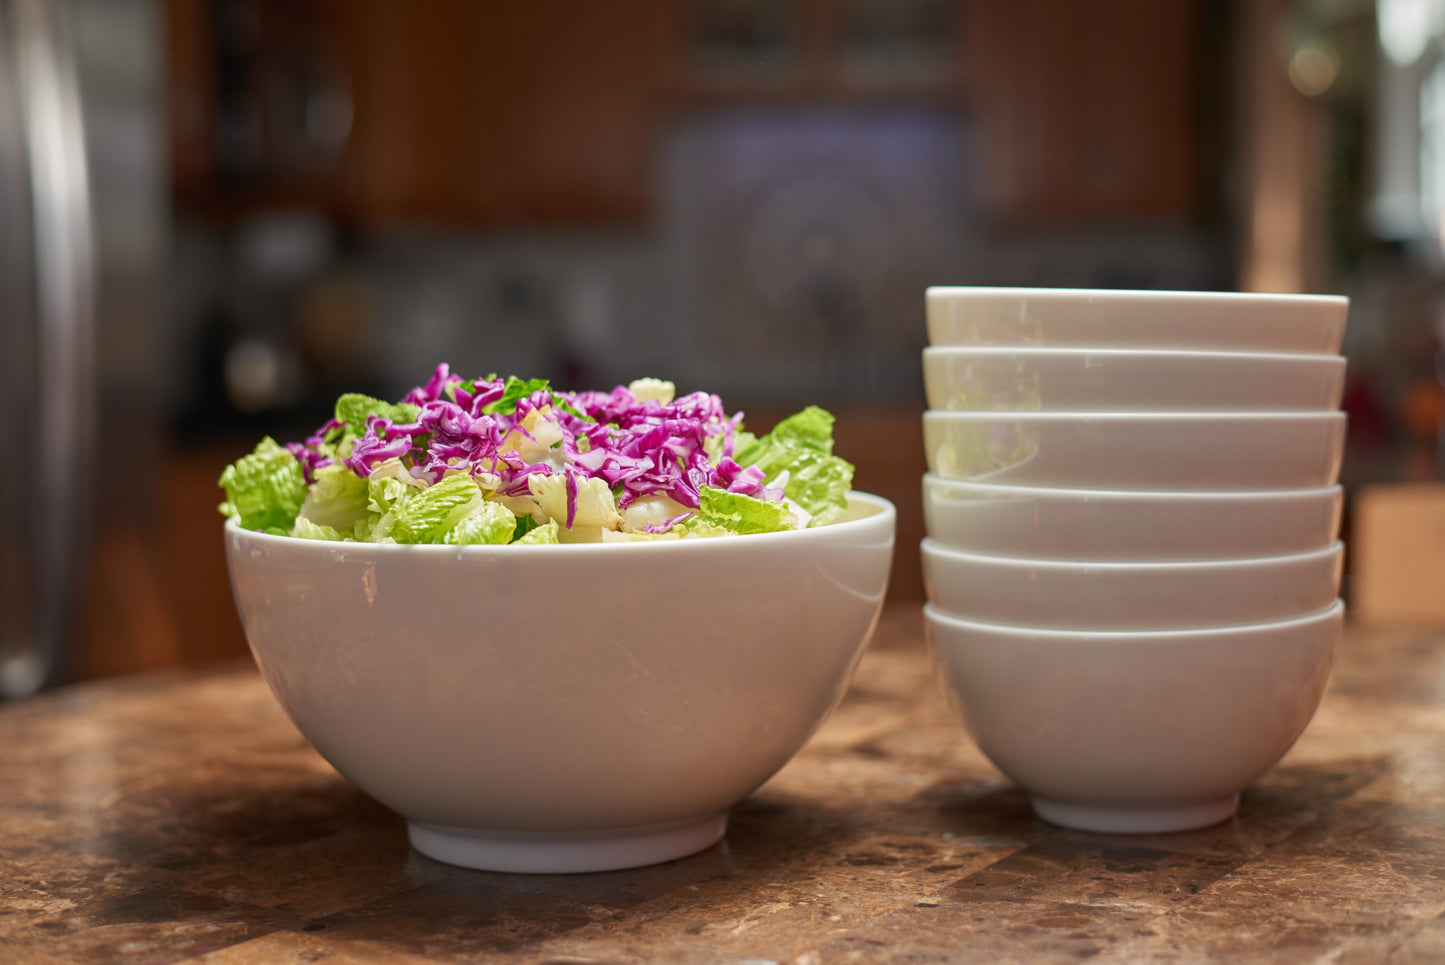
(560, 708)
(1128, 380)
(1194, 451)
(1121, 526)
(1085, 318)
(1135, 732)
(1069, 595)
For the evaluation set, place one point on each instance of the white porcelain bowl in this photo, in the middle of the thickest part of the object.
(1069, 595)
(1138, 450)
(563, 708)
(1128, 380)
(1084, 318)
(1135, 732)
(1120, 526)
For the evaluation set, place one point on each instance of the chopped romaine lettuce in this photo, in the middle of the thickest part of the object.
(353, 409)
(737, 513)
(546, 533)
(489, 522)
(513, 391)
(265, 489)
(337, 498)
(305, 529)
(431, 514)
(802, 447)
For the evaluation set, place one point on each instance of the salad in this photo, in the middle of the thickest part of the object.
(497, 461)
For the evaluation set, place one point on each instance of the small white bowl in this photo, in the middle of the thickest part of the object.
(1086, 318)
(1135, 732)
(563, 708)
(1129, 380)
(1117, 526)
(1068, 595)
(1194, 451)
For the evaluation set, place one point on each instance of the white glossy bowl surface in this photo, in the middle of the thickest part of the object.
(1129, 596)
(1135, 732)
(1122, 526)
(1195, 451)
(1084, 318)
(1128, 380)
(563, 708)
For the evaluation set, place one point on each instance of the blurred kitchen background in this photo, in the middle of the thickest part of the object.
(222, 213)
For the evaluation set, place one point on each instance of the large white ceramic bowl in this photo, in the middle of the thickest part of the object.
(1135, 732)
(1070, 595)
(1084, 318)
(563, 708)
(1194, 451)
(1128, 380)
(1121, 526)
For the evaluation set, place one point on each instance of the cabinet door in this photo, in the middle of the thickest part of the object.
(579, 89)
(501, 113)
(1089, 109)
(427, 111)
(479, 112)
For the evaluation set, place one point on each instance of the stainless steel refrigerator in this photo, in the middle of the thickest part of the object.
(82, 325)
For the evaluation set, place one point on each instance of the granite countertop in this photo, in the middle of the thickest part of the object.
(180, 817)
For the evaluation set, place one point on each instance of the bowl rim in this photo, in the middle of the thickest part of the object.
(1323, 416)
(964, 292)
(881, 510)
(932, 480)
(933, 547)
(1326, 360)
(933, 614)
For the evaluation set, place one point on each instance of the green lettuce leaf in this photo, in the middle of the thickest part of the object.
(451, 511)
(305, 529)
(491, 523)
(353, 408)
(513, 390)
(546, 533)
(525, 524)
(338, 498)
(802, 446)
(388, 487)
(427, 515)
(265, 489)
(810, 429)
(738, 513)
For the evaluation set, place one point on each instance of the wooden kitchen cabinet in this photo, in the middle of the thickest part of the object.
(487, 113)
(1089, 110)
(479, 113)
(504, 112)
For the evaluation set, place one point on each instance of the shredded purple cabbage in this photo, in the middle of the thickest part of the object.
(636, 447)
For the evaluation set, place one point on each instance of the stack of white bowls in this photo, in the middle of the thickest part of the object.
(1131, 559)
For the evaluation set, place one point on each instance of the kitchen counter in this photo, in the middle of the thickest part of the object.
(180, 817)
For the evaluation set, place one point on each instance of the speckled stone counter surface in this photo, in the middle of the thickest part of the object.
(182, 818)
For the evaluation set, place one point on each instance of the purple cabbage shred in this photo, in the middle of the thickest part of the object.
(636, 447)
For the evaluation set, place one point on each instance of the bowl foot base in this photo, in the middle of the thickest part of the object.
(566, 852)
(1123, 820)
